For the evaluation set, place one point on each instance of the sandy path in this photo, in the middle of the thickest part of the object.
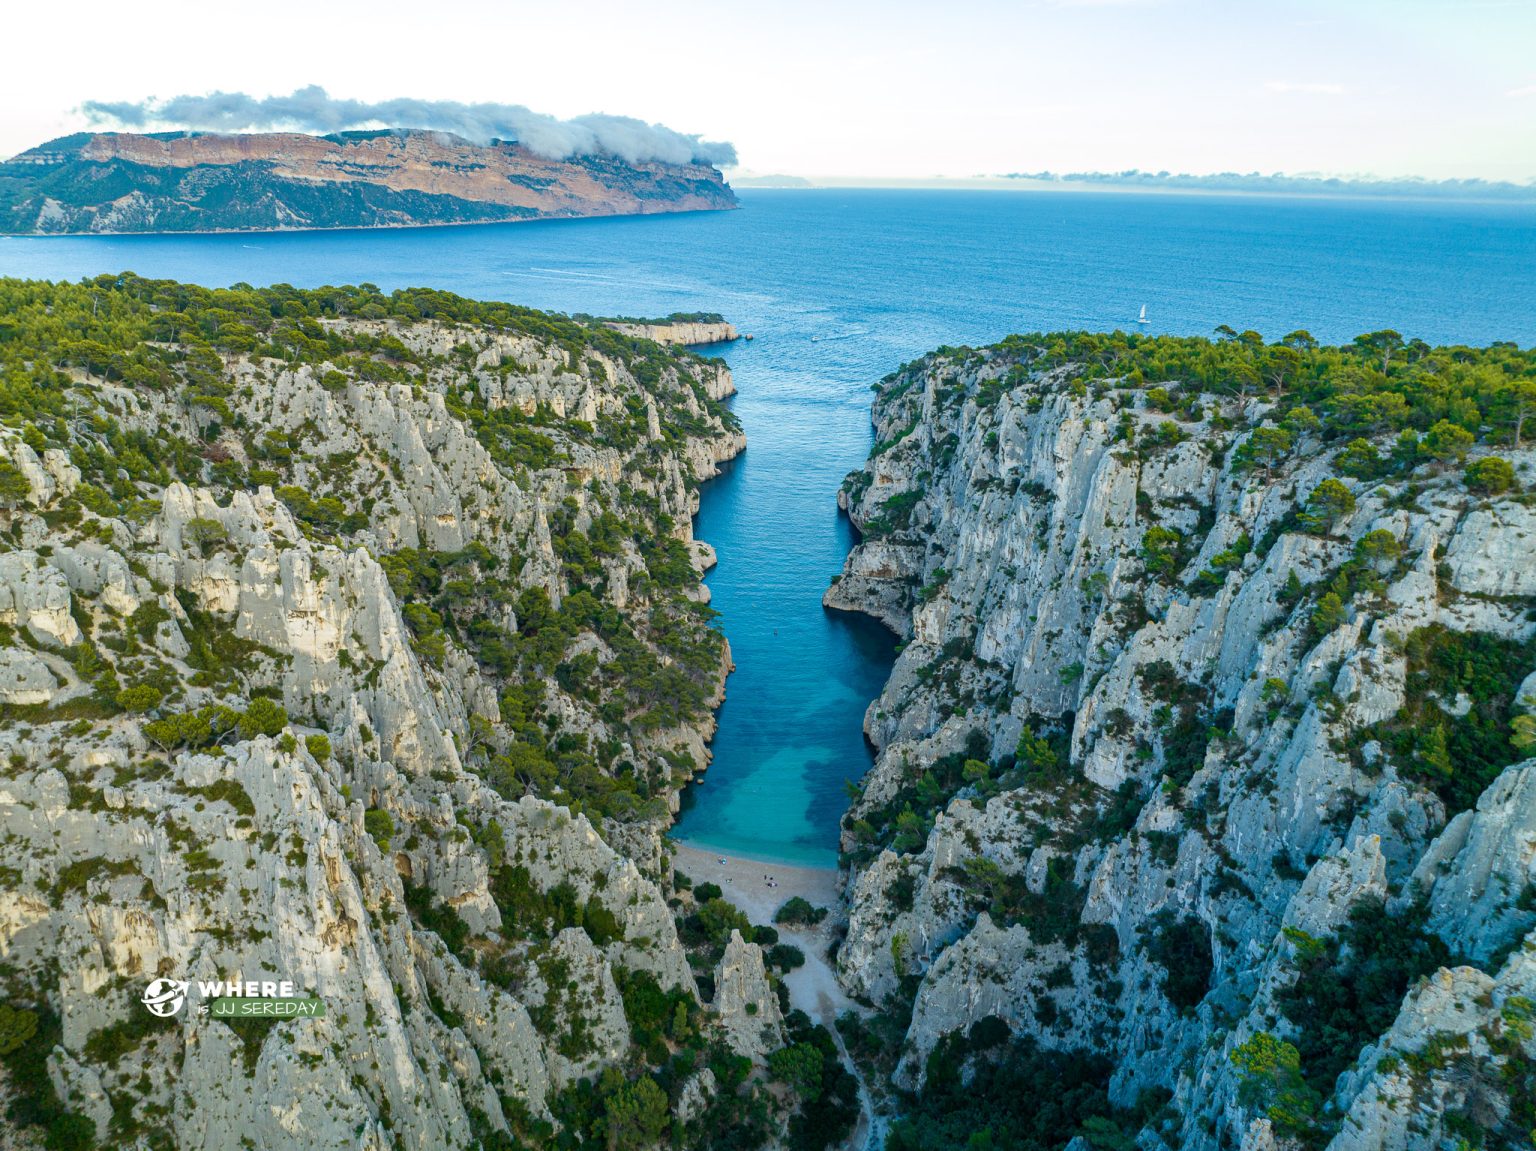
(813, 988)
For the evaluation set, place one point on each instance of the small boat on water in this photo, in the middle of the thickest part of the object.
(1142, 319)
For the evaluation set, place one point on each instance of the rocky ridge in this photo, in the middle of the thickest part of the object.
(366, 651)
(113, 182)
(1159, 749)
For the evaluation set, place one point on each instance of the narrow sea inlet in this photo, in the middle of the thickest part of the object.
(838, 288)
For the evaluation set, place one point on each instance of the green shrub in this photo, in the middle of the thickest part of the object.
(380, 825)
(140, 698)
(1490, 475)
(1182, 948)
(17, 1027)
(785, 956)
(1446, 442)
(14, 487)
(1329, 502)
(204, 535)
(798, 912)
(1270, 1079)
(1328, 614)
(262, 717)
(1160, 551)
(800, 1066)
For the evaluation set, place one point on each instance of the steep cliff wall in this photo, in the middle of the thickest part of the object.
(195, 182)
(367, 652)
(689, 333)
(1197, 759)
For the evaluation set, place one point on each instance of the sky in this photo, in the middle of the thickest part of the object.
(1432, 88)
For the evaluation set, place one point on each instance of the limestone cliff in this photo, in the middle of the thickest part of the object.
(1166, 747)
(198, 182)
(679, 330)
(365, 651)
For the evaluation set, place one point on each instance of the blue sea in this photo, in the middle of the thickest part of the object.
(840, 287)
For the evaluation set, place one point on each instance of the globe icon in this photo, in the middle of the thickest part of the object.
(164, 997)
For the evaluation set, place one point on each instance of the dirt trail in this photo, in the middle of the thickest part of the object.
(813, 988)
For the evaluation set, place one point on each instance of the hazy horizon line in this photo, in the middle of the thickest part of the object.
(1136, 181)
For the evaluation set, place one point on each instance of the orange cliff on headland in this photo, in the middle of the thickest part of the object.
(126, 182)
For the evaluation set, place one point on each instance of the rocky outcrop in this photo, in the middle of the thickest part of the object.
(276, 181)
(1125, 727)
(269, 717)
(25, 678)
(1461, 1040)
(689, 333)
(746, 1003)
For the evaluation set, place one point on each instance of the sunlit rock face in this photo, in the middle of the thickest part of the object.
(1202, 781)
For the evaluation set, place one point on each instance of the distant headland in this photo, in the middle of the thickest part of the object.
(117, 182)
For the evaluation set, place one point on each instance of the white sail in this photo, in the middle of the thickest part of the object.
(1142, 319)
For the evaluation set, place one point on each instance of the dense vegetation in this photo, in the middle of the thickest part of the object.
(985, 1091)
(142, 383)
(1351, 985)
(1458, 756)
(1379, 384)
(173, 343)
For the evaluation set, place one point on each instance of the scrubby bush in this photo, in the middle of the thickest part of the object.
(140, 697)
(1160, 551)
(1182, 948)
(1490, 475)
(797, 911)
(380, 825)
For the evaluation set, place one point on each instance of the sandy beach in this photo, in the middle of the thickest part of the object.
(742, 880)
(812, 988)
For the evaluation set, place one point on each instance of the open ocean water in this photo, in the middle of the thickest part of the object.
(839, 287)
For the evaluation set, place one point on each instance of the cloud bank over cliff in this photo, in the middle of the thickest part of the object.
(312, 109)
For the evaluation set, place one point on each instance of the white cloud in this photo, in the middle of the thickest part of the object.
(1524, 90)
(1305, 88)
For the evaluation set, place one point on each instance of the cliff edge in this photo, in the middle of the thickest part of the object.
(1202, 780)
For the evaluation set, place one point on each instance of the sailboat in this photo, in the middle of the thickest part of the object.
(1142, 319)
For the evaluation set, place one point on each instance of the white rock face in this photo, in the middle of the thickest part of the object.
(746, 1003)
(35, 595)
(687, 333)
(1491, 552)
(1214, 778)
(371, 867)
(1459, 1034)
(25, 678)
(1479, 868)
(695, 1096)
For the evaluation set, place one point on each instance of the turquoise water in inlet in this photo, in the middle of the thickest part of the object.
(839, 287)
